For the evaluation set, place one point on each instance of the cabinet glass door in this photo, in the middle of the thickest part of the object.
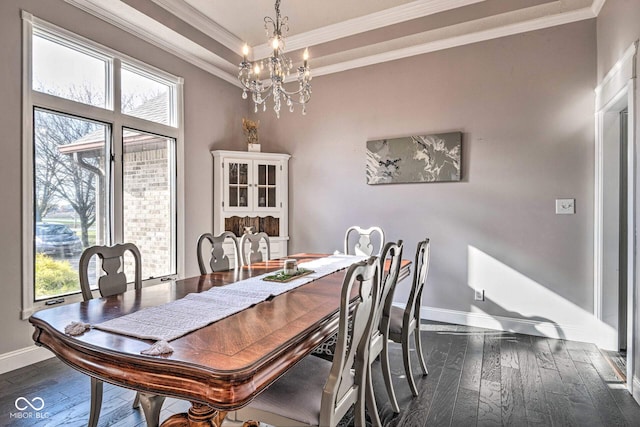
(237, 179)
(267, 194)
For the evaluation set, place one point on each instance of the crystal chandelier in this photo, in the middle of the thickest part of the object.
(279, 68)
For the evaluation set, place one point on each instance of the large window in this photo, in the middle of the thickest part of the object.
(101, 136)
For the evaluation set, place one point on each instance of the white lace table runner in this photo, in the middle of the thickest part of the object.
(194, 311)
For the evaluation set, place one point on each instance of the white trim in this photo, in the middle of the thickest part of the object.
(511, 324)
(174, 43)
(632, 225)
(617, 78)
(361, 24)
(616, 87)
(455, 41)
(197, 19)
(597, 6)
(28, 291)
(535, 18)
(23, 357)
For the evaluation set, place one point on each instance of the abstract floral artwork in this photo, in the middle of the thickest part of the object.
(421, 158)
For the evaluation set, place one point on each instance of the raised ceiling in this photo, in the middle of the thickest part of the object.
(340, 35)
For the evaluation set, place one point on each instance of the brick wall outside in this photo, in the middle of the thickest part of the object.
(147, 208)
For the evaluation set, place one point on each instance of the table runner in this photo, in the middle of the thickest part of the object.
(197, 310)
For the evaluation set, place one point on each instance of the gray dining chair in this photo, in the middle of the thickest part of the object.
(380, 334)
(254, 252)
(218, 260)
(315, 391)
(379, 345)
(363, 244)
(402, 323)
(110, 259)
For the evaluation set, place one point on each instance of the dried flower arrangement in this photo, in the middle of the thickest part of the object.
(250, 129)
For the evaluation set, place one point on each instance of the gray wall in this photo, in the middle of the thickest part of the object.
(213, 111)
(525, 107)
(617, 29)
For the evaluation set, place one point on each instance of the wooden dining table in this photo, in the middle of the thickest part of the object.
(218, 368)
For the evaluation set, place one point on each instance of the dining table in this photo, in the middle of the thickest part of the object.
(220, 367)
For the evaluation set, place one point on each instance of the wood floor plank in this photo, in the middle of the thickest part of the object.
(543, 353)
(558, 348)
(628, 406)
(567, 370)
(457, 350)
(489, 404)
(472, 366)
(512, 397)
(441, 410)
(604, 403)
(579, 355)
(538, 419)
(560, 411)
(552, 381)
(534, 397)
(508, 354)
(465, 412)
(491, 359)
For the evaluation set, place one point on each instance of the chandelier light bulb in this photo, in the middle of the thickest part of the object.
(256, 70)
(245, 52)
(275, 43)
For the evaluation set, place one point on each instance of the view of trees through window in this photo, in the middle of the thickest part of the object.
(73, 162)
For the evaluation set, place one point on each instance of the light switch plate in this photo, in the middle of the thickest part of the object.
(565, 206)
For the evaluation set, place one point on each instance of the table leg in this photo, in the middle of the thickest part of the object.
(199, 415)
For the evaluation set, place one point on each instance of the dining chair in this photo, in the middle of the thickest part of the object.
(380, 334)
(218, 260)
(318, 392)
(379, 345)
(110, 259)
(364, 245)
(254, 254)
(404, 322)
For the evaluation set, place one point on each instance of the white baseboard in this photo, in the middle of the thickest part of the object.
(510, 324)
(23, 357)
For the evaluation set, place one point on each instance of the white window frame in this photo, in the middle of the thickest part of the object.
(111, 115)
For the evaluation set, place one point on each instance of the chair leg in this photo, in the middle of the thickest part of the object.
(386, 374)
(96, 402)
(419, 349)
(406, 357)
(151, 406)
(372, 407)
(136, 401)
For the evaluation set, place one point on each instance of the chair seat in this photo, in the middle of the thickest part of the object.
(301, 387)
(395, 320)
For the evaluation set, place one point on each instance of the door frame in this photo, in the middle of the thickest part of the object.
(617, 88)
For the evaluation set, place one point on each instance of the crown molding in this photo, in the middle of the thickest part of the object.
(198, 20)
(597, 6)
(455, 41)
(350, 27)
(128, 19)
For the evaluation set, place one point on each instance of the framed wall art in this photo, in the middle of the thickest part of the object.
(420, 158)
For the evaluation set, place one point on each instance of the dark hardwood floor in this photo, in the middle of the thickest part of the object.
(476, 377)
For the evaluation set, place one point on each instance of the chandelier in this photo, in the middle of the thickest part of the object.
(279, 68)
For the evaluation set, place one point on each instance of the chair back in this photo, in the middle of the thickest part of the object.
(218, 261)
(346, 384)
(388, 279)
(111, 260)
(254, 254)
(412, 310)
(363, 246)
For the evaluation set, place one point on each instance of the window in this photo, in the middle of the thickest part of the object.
(97, 171)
